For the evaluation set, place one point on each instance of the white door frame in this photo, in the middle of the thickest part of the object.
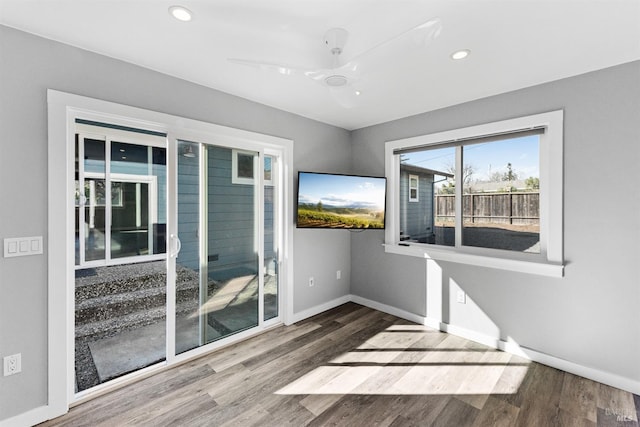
(63, 109)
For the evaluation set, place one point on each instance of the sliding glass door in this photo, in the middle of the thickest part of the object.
(168, 238)
(225, 248)
(227, 225)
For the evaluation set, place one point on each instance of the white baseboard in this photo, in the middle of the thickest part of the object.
(604, 377)
(613, 380)
(31, 417)
(388, 309)
(310, 312)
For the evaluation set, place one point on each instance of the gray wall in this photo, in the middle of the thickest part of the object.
(590, 316)
(29, 65)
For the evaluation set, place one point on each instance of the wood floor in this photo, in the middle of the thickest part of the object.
(353, 366)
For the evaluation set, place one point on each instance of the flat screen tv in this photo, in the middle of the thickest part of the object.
(340, 201)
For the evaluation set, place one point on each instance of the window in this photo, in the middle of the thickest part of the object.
(242, 167)
(490, 192)
(413, 188)
(120, 195)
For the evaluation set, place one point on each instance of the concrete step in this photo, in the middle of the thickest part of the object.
(117, 279)
(113, 305)
(92, 331)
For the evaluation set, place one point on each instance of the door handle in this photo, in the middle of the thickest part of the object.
(178, 245)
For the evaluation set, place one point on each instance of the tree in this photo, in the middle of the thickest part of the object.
(467, 172)
(532, 183)
(448, 188)
(510, 174)
(495, 177)
(319, 206)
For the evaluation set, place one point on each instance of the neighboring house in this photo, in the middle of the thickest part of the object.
(232, 251)
(498, 186)
(417, 201)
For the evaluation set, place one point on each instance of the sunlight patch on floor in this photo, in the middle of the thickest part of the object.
(399, 361)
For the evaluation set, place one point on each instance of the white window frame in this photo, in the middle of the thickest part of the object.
(235, 179)
(550, 260)
(417, 188)
(109, 135)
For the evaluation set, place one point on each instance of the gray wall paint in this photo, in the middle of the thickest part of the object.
(590, 316)
(29, 65)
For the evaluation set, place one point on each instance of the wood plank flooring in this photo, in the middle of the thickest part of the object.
(353, 366)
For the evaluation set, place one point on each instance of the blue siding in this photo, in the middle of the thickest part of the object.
(230, 216)
(188, 211)
(416, 218)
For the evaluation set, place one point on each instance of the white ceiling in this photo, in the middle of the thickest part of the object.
(513, 43)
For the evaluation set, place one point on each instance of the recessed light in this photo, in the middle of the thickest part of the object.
(460, 54)
(181, 13)
(357, 93)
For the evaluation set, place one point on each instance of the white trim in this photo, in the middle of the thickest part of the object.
(550, 260)
(60, 249)
(511, 347)
(417, 188)
(31, 417)
(63, 108)
(546, 359)
(388, 309)
(132, 137)
(451, 255)
(310, 312)
(235, 179)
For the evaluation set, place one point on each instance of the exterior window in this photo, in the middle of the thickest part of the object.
(120, 198)
(242, 167)
(413, 188)
(489, 190)
(429, 219)
(500, 194)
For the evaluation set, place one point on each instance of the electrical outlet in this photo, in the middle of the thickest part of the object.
(12, 364)
(461, 297)
(338, 275)
(311, 281)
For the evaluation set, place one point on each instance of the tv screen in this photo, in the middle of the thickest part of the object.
(340, 201)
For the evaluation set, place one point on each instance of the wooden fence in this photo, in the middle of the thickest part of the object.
(518, 208)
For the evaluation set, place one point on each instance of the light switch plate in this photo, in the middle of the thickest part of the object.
(22, 246)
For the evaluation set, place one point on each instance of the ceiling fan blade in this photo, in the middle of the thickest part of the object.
(287, 70)
(420, 35)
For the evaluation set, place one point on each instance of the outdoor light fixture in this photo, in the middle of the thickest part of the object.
(181, 13)
(460, 54)
(188, 152)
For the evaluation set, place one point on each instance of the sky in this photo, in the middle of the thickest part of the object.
(341, 190)
(486, 158)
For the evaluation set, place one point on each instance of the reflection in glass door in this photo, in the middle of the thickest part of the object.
(120, 253)
(271, 237)
(225, 264)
